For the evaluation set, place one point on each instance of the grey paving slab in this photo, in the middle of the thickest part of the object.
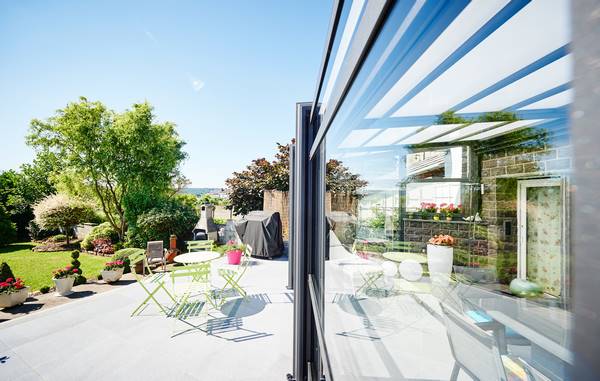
(96, 339)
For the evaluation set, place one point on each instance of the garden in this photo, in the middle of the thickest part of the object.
(116, 172)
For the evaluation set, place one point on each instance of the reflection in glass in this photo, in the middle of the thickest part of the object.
(465, 134)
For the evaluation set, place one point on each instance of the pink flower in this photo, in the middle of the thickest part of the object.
(75, 270)
(9, 280)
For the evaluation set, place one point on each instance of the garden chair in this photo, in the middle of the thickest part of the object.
(466, 337)
(206, 245)
(151, 284)
(233, 274)
(156, 254)
(371, 282)
(199, 284)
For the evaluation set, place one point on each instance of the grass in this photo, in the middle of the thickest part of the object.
(35, 268)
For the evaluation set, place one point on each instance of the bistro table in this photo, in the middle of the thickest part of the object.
(397, 256)
(197, 257)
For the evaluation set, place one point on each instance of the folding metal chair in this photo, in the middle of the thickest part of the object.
(232, 274)
(151, 284)
(206, 245)
(199, 275)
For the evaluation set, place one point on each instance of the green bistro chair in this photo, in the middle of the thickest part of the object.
(206, 245)
(151, 284)
(232, 274)
(199, 284)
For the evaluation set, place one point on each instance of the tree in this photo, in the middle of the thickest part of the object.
(19, 191)
(8, 230)
(171, 217)
(245, 189)
(61, 211)
(127, 161)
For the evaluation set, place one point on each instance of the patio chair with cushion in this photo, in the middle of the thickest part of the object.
(151, 284)
(466, 337)
(205, 245)
(156, 254)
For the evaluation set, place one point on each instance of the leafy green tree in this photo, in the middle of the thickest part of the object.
(8, 229)
(61, 211)
(127, 161)
(208, 198)
(158, 223)
(19, 191)
(245, 189)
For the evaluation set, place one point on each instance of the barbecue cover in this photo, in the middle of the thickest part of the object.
(262, 231)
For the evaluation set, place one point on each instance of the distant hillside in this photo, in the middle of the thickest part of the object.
(201, 191)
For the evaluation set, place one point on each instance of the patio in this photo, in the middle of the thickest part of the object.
(96, 339)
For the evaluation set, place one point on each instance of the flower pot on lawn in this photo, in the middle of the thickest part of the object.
(14, 298)
(439, 261)
(234, 257)
(110, 276)
(64, 285)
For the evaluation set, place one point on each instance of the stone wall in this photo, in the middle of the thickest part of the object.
(277, 201)
(467, 235)
(500, 172)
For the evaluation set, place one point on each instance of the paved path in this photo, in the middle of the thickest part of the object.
(95, 339)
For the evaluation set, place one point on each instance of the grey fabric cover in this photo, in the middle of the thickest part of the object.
(262, 231)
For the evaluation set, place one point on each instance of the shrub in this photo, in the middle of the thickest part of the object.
(104, 230)
(219, 221)
(75, 264)
(58, 238)
(103, 246)
(8, 230)
(5, 272)
(123, 255)
(159, 223)
(61, 211)
(45, 289)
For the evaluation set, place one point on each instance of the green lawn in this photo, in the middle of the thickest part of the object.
(35, 268)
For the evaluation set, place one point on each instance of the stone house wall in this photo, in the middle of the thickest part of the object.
(500, 172)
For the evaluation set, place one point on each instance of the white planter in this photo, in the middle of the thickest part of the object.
(439, 260)
(110, 276)
(14, 298)
(64, 285)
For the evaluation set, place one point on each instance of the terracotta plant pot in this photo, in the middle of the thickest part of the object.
(14, 298)
(110, 276)
(439, 261)
(64, 285)
(234, 257)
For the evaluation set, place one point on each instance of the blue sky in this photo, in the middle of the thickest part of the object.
(227, 73)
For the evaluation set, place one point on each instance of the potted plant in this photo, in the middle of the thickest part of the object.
(450, 211)
(439, 258)
(428, 209)
(13, 292)
(234, 252)
(63, 280)
(113, 271)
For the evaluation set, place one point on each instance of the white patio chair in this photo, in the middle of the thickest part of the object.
(466, 339)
